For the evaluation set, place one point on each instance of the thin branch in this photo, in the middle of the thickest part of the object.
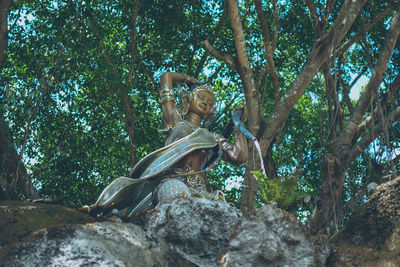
(346, 92)
(374, 82)
(16, 20)
(264, 87)
(373, 134)
(334, 108)
(26, 135)
(133, 40)
(127, 102)
(380, 108)
(225, 57)
(268, 49)
(214, 75)
(4, 7)
(260, 74)
(367, 51)
(343, 48)
(314, 16)
(329, 6)
(277, 25)
(211, 40)
(361, 73)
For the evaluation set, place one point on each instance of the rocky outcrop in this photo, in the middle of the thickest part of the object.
(372, 235)
(19, 219)
(195, 229)
(187, 232)
(273, 237)
(101, 244)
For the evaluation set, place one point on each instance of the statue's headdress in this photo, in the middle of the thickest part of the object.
(187, 94)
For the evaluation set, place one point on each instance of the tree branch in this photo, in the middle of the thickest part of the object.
(373, 134)
(277, 26)
(318, 55)
(268, 50)
(211, 40)
(346, 92)
(329, 6)
(245, 72)
(4, 7)
(343, 48)
(127, 102)
(314, 16)
(225, 57)
(334, 108)
(380, 107)
(374, 82)
(133, 36)
(19, 12)
(17, 179)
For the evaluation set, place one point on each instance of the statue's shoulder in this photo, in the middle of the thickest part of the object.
(178, 131)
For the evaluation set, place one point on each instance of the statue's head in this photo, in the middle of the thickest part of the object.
(202, 101)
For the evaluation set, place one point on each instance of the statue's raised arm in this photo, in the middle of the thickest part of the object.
(167, 95)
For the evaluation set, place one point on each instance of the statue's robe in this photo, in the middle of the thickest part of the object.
(132, 195)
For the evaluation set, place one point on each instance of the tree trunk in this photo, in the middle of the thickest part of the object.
(4, 7)
(13, 175)
(252, 101)
(332, 184)
(355, 136)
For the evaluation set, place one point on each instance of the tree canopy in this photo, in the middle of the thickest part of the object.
(320, 79)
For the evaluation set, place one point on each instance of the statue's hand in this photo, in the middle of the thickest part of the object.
(244, 115)
(191, 81)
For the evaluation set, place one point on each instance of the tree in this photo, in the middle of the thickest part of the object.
(80, 80)
(13, 175)
(331, 25)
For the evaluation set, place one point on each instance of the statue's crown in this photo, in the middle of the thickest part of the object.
(202, 87)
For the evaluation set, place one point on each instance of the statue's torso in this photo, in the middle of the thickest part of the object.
(197, 159)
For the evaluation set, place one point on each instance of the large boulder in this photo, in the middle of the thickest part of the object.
(19, 219)
(187, 232)
(274, 237)
(103, 243)
(196, 229)
(372, 235)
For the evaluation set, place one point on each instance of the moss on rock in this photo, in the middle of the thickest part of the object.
(19, 219)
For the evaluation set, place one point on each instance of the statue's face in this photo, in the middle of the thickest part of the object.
(202, 103)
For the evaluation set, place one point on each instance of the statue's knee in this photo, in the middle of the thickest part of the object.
(171, 189)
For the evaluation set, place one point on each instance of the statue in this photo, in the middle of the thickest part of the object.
(178, 169)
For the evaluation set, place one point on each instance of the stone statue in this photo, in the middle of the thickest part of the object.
(178, 169)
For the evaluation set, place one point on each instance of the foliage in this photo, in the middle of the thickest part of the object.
(285, 192)
(74, 60)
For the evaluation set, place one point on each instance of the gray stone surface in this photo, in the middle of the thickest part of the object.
(273, 237)
(97, 244)
(187, 232)
(196, 228)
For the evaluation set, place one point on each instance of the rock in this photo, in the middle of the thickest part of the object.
(19, 219)
(273, 237)
(187, 232)
(372, 235)
(105, 244)
(371, 187)
(195, 228)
